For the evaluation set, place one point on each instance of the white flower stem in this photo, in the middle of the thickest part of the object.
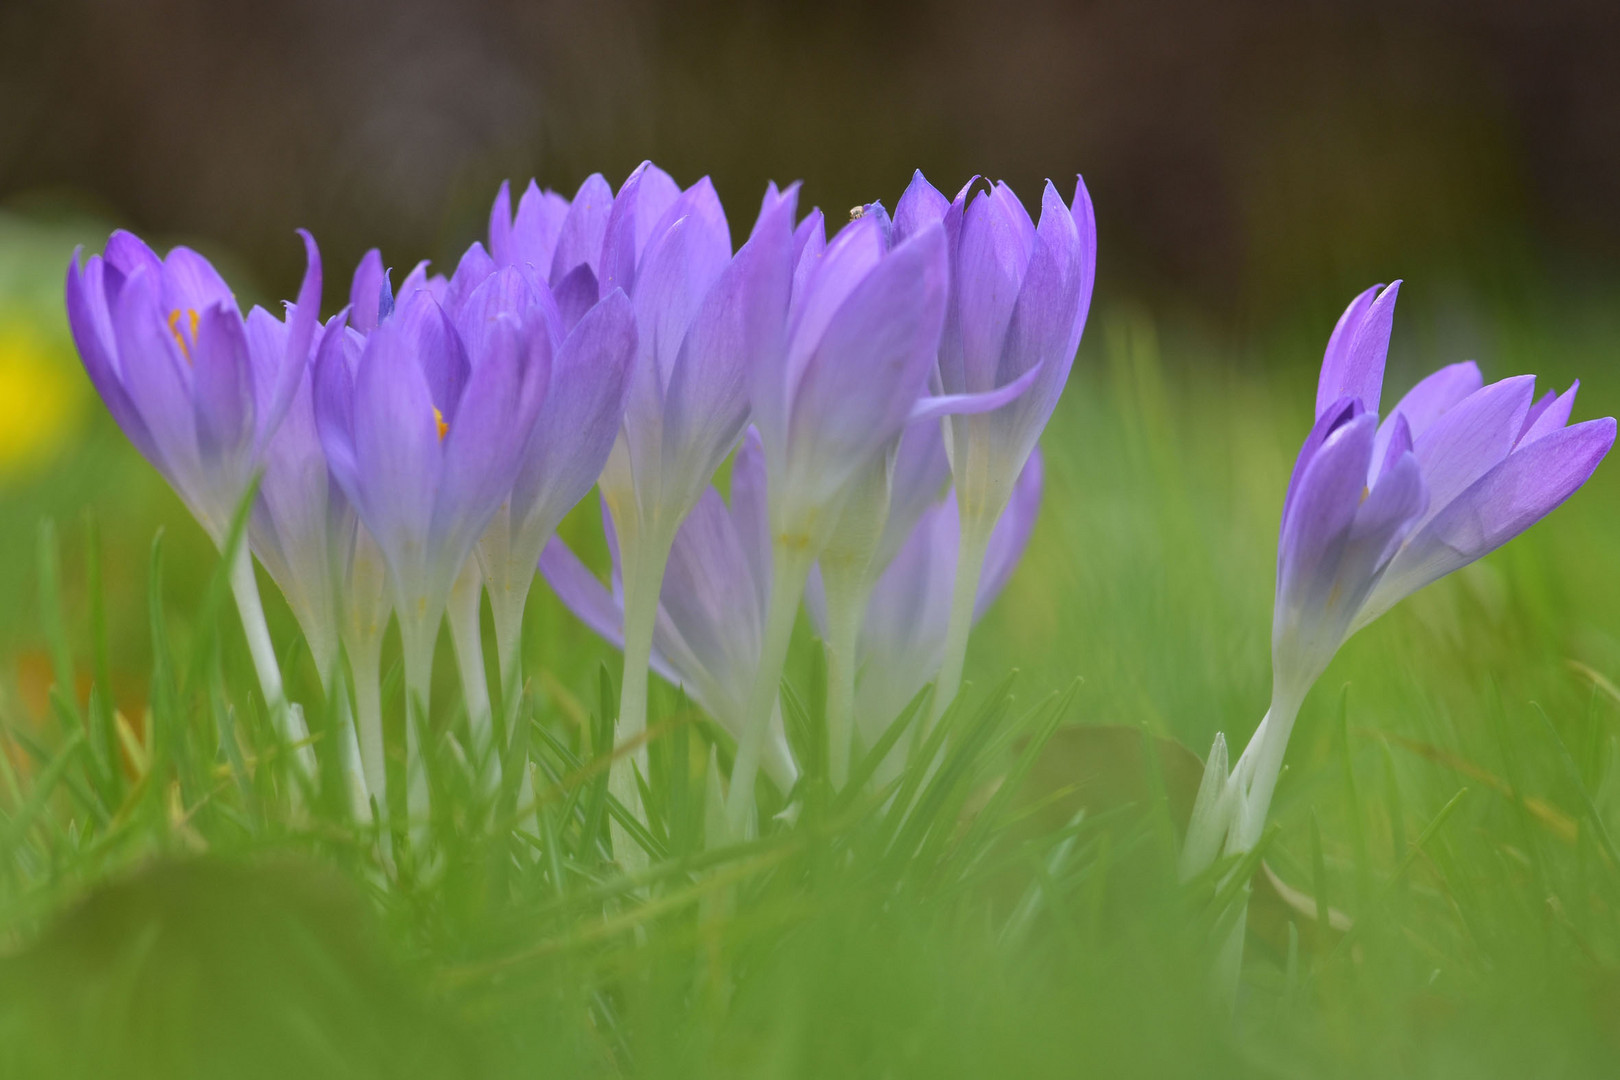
(467, 636)
(365, 663)
(845, 607)
(964, 598)
(324, 652)
(644, 561)
(245, 588)
(417, 638)
(790, 566)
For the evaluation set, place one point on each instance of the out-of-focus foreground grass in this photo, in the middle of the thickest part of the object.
(1450, 794)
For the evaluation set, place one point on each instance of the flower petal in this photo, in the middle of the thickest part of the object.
(579, 243)
(397, 452)
(1471, 437)
(1553, 416)
(367, 290)
(1353, 365)
(1521, 490)
(221, 385)
(921, 206)
(1011, 535)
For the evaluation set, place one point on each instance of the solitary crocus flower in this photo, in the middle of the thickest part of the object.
(166, 346)
(423, 427)
(1020, 293)
(1375, 511)
(711, 607)
(902, 638)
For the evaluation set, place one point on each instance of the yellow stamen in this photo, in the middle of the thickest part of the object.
(438, 418)
(174, 328)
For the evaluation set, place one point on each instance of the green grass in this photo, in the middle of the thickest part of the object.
(1449, 788)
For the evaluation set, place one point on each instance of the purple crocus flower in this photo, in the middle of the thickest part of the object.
(832, 396)
(423, 425)
(711, 606)
(703, 317)
(1375, 511)
(1020, 292)
(305, 534)
(902, 638)
(166, 346)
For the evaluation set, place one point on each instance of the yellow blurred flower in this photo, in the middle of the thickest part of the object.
(41, 394)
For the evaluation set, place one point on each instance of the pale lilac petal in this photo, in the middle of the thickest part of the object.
(579, 419)
(921, 471)
(1471, 437)
(1353, 364)
(642, 201)
(500, 226)
(91, 323)
(1517, 493)
(507, 293)
(302, 317)
(436, 350)
(473, 269)
(1011, 535)
(367, 291)
(127, 253)
(221, 384)
(711, 604)
(1316, 524)
(575, 294)
(579, 243)
(491, 424)
(1429, 399)
(869, 367)
(397, 452)
(1331, 419)
(675, 276)
(190, 283)
(828, 278)
(539, 220)
(921, 206)
(581, 592)
(1553, 416)
(750, 515)
(932, 408)
(991, 258)
(335, 366)
(156, 375)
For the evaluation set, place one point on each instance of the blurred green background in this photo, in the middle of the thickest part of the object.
(1254, 164)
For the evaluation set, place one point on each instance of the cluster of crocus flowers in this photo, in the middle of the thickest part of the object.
(881, 391)
(1377, 509)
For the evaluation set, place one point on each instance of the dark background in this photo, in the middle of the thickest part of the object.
(1248, 158)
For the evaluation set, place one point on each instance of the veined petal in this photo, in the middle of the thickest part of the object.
(832, 277)
(869, 367)
(397, 452)
(1353, 365)
(643, 199)
(579, 242)
(221, 385)
(1011, 535)
(676, 274)
(491, 426)
(921, 206)
(991, 259)
(157, 378)
(368, 288)
(302, 318)
(190, 283)
(1429, 399)
(435, 349)
(750, 513)
(1521, 490)
(1316, 530)
(91, 323)
(533, 239)
(1471, 437)
(711, 604)
(335, 366)
(575, 294)
(579, 419)
(127, 253)
(1552, 416)
(505, 293)
(474, 268)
